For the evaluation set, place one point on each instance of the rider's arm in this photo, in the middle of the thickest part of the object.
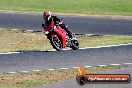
(56, 19)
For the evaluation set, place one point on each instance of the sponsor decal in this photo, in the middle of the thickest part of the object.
(83, 78)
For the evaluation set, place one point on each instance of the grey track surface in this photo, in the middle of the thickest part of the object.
(71, 83)
(44, 60)
(77, 24)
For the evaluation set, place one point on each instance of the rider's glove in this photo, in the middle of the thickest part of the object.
(43, 25)
(58, 23)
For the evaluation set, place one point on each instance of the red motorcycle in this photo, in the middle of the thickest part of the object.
(59, 38)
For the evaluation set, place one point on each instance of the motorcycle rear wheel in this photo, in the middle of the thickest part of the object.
(57, 44)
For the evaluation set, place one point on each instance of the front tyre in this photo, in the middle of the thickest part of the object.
(74, 44)
(56, 42)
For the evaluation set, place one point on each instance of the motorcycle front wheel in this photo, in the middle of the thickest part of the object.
(56, 42)
(74, 44)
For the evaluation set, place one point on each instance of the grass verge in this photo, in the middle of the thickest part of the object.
(33, 79)
(118, 7)
(18, 40)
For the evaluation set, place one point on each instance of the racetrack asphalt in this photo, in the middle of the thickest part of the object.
(78, 24)
(35, 60)
(39, 60)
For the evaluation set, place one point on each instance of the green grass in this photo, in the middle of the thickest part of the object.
(11, 41)
(34, 79)
(118, 7)
(103, 40)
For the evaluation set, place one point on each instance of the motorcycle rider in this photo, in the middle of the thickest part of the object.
(49, 18)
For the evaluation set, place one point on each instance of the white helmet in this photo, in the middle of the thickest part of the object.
(47, 15)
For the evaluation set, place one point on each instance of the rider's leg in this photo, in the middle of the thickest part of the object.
(67, 30)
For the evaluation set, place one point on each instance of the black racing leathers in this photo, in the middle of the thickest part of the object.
(55, 19)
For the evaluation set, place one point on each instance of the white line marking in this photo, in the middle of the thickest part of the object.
(88, 66)
(63, 68)
(106, 46)
(2, 28)
(102, 65)
(51, 50)
(30, 30)
(93, 47)
(14, 29)
(115, 64)
(51, 69)
(67, 49)
(66, 68)
(79, 48)
(37, 70)
(25, 71)
(10, 53)
(127, 63)
(11, 72)
(74, 67)
(43, 50)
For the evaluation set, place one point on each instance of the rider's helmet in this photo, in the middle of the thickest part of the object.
(47, 15)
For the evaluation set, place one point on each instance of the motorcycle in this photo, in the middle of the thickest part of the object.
(59, 38)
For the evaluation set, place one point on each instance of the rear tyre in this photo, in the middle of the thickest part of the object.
(56, 43)
(74, 44)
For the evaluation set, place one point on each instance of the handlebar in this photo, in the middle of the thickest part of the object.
(43, 25)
